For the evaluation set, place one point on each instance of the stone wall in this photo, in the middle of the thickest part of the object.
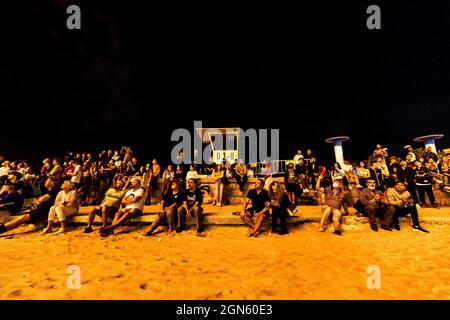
(232, 194)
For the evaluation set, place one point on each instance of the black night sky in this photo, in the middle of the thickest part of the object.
(134, 73)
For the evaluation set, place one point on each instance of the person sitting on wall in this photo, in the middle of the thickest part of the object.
(170, 203)
(39, 208)
(133, 203)
(375, 204)
(259, 200)
(403, 203)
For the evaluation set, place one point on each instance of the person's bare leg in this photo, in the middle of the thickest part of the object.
(337, 221)
(156, 222)
(117, 215)
(92, 217)
(104, 216)
(247, 219)
(259, 221)
(325, 216)
(118, 222)
(17, 222)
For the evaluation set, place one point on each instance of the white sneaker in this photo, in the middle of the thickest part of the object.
(45, 231)
(60, 231)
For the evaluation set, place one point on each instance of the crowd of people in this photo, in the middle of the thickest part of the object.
(117, 185)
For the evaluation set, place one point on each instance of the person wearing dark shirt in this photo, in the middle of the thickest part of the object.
(259, 199)
(192, 205)
(25, 189)
(279, 203)
(375, 204)
(406, 174)
(423, 184)
(170, 203)
(376, 174)
(10, 199)
(39, 208)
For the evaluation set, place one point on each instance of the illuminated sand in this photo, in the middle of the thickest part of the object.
(226, 264)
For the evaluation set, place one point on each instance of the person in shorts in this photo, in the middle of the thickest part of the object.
(259, 209)
(133, 203)
(109, 206)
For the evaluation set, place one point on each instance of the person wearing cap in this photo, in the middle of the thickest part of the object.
(334, 200)
(39, 209)
(133, 205)
(66, 204)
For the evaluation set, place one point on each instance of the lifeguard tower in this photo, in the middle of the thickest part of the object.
(224, 143)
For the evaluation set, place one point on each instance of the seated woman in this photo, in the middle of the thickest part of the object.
(169, 205)
(219, 176)
(279, 203)
(66, 204)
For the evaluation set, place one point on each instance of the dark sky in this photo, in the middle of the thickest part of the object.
(134, 73)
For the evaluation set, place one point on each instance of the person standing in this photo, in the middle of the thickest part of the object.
(423, 184)
(218, 175)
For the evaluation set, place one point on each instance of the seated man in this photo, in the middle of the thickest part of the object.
(192, 205)
(375, 203)
(134, 205)
(109, 205)
(169, 206)
(334, 200)
(259, 199)
(10, 199)
(24, 188)
(66, 204)
(404, 205)
(40, 207)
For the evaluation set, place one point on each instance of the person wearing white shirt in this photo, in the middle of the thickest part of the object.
(191, 174)
(133, 203)
(298, 156)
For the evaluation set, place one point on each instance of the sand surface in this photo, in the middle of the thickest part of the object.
(226, 264)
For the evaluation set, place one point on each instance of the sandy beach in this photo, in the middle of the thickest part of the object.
(226, 264)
